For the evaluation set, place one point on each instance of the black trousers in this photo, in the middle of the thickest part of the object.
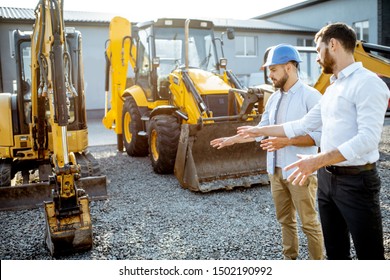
(349, 204)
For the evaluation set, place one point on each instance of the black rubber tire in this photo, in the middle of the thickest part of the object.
(5, 173)
(135, 145)
(119, 142)
(164, 133)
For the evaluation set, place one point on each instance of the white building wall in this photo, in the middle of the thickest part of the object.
(93, 44)
(245, 67)
(94, 39)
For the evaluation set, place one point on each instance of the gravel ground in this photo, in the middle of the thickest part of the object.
(149, 216)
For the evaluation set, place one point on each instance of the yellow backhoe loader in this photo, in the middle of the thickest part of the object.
(43, 147)
(181, 97)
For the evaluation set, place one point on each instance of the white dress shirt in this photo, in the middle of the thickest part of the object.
(297, 103)
(351, 112)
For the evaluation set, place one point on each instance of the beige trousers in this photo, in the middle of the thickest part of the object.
(290, 200)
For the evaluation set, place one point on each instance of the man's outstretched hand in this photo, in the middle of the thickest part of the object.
(219, 143)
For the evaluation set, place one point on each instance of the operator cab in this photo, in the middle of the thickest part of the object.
(161, 50)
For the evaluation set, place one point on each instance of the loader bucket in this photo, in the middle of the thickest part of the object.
(200, 167)
(33, 195)
(71, 234)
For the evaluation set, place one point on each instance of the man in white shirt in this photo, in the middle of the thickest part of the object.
(291, 102)
(351, 113)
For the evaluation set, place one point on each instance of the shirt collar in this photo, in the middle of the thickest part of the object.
(294, 88)
(346, 71)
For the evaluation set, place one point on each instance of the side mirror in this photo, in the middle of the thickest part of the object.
(223, 63)
(230, 33)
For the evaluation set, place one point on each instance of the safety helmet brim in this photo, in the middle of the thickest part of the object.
(281, 54)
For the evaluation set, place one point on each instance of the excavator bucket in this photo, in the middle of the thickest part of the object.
(33, 195)
(200, 167)
(68, 234)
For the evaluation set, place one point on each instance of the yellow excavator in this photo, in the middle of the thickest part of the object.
(168, 94)
(44, 158)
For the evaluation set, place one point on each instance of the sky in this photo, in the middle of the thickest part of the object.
(140, 10)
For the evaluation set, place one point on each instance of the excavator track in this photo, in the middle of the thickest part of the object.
(89, 165)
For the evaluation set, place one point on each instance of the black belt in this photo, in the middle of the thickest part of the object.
(350, 170)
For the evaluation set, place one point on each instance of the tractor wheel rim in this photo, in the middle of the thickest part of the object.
(153, 145)
(127, 132)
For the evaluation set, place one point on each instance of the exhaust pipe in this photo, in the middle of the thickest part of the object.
(186, 36)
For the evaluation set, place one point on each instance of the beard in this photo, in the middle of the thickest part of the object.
(281, 82)
(328, 63)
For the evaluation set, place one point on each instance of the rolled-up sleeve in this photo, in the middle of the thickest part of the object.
(370, 115)
(309, 124)
(316, 136)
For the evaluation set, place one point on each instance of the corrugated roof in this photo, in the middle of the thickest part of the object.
(16, 13)
(291, 8)
(13, 14)
(24, 14)
(260, 25)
